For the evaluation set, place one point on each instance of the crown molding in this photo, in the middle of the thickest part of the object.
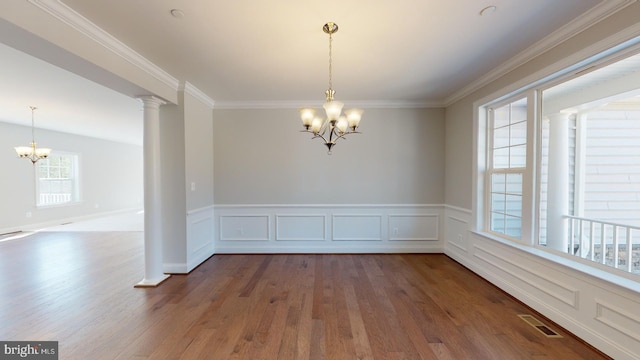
(81, 24)
(365, 104)
(592, 16)
(188, 88)
(84, 26)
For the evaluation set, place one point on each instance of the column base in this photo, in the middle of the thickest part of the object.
(151, 282)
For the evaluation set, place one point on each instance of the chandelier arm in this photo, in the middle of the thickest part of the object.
(324, 126)
(315, 135)
(341, 136)
(320, 136)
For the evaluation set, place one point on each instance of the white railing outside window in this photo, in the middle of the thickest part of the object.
(611, 244)
(54, 198)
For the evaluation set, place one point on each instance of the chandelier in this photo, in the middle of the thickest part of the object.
(31, 152)
(335, 126)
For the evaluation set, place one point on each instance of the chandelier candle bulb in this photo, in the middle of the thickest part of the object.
(343, 124)
(307, 115)
(23, 151)
(333, 109)
(42, 152)
(354, 116)
(316, 124)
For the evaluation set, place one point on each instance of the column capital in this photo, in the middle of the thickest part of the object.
(150, 100)
(562, 115)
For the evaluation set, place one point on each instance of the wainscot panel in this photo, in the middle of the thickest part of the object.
(328, 229)
(456, 229)
(245, 227)
(589, 303)
(200, 239)
(523, 275)
(199, 245)
(624, 321)
(414, 227)
(301, 227)
(357, 227)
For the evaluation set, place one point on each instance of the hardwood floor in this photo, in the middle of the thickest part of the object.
(77, 288)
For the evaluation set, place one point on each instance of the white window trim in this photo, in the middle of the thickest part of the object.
(616, 46)
(78, 189)
(525, 237)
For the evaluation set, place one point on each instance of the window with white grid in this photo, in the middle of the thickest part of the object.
(57, 180)
(506, 167)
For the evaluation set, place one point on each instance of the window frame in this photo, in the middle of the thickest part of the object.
(528, 171)
(77, 193)
(533, 85)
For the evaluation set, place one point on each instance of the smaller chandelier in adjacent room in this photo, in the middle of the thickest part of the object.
(31, 152)
(335, 126)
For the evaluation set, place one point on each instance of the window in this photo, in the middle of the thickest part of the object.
(507, 163)
(57, 180)
(563, 165)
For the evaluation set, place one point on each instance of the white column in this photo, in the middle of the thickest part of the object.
(558, 182)
(153, 237)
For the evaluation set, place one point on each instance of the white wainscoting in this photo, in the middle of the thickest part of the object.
(307, 227)
(200, 230)
(328, 229)
(245, 227)
(603, 313)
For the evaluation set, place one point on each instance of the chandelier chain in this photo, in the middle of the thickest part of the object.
(330, 60)
(33, 132)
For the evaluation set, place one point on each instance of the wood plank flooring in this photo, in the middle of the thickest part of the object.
(77, 288)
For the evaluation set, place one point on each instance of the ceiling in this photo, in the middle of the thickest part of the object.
(240, 53)
(65, 101)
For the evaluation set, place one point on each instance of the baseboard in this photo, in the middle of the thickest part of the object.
(330, 250)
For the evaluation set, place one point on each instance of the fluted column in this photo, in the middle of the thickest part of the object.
(558, 182)
(153, 236)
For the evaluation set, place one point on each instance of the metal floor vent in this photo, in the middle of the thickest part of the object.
(544, 329)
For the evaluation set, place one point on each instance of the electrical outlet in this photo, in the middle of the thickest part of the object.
(395, 231)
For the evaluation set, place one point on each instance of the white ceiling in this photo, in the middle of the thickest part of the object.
(255, 51)
(65, 101)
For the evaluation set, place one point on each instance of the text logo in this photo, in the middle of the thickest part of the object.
(42, 350)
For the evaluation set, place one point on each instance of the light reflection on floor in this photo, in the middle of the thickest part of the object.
(129, 221)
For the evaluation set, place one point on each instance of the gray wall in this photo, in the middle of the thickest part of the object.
(198, 132)
(111, 177)
(260, 157)
(172, 182)
(187, 157)
(459, 115)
